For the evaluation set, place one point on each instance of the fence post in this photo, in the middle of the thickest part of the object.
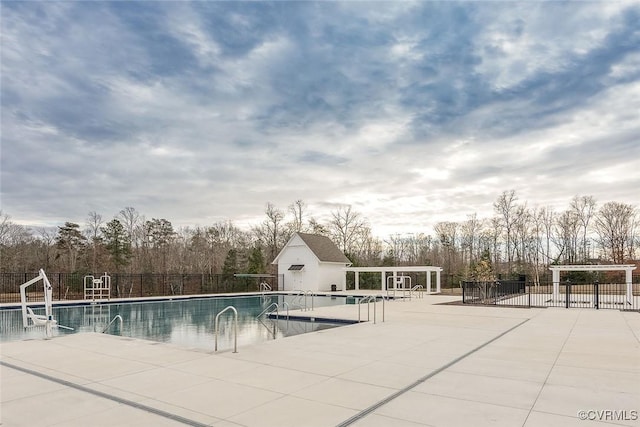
(596, 294)
(463, 285)
(567, 294)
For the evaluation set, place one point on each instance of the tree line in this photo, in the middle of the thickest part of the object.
(517, 239)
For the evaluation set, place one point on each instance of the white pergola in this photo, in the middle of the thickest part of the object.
(627, 268)
(427, 269)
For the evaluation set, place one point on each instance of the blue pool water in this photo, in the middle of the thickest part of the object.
(184, 322)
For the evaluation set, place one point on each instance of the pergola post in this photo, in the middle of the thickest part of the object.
(382, 281)
(438, 281)
(556, 284)
(428, 273)
(629, 281)
(357, 280)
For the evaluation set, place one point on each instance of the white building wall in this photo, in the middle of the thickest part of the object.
(315, 276)
(331, 274)
(298, 253)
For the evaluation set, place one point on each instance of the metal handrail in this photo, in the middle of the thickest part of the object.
(363, 300)
(415, 289)
(367, 300)
(306, 307)
(301, 297)
(286, 305)
(267, 309)
(235, 328)
(272, 332)
(277, 310)
(116, 317)
(296, 297)
(265, 287)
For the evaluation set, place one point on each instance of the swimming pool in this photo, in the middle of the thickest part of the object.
(184, 322)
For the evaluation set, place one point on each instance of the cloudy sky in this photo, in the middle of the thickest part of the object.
(411, 112)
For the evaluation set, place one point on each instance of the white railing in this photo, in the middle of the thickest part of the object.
(235, 328)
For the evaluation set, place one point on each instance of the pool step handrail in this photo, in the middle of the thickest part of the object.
(272, 329)
(277, 310)
(116, 317)
(363, 300)
(235, 328)
(418, 289)
(265, 287)
(306, 307)
(266, 310)
(301, 298)
(367, 300)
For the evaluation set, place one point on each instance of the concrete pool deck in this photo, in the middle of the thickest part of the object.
(426, 365)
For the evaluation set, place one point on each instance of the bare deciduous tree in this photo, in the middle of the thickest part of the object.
(271, 230)
(346, 226)
(615, 224)
(469, 235)
(566, 236)
(447, 234)
(507, 210)
(94, 222)
(584, 208)
(297, 209)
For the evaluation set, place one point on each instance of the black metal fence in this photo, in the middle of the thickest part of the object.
(70, 286)
(621, 296)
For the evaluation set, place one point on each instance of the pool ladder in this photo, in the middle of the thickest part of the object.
(116, 317)
(301, 297)
(367, 300)
(265, 287)
(270, 309)
(235, 327)
(418, 289)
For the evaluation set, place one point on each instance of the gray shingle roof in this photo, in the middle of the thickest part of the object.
(324, 248)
